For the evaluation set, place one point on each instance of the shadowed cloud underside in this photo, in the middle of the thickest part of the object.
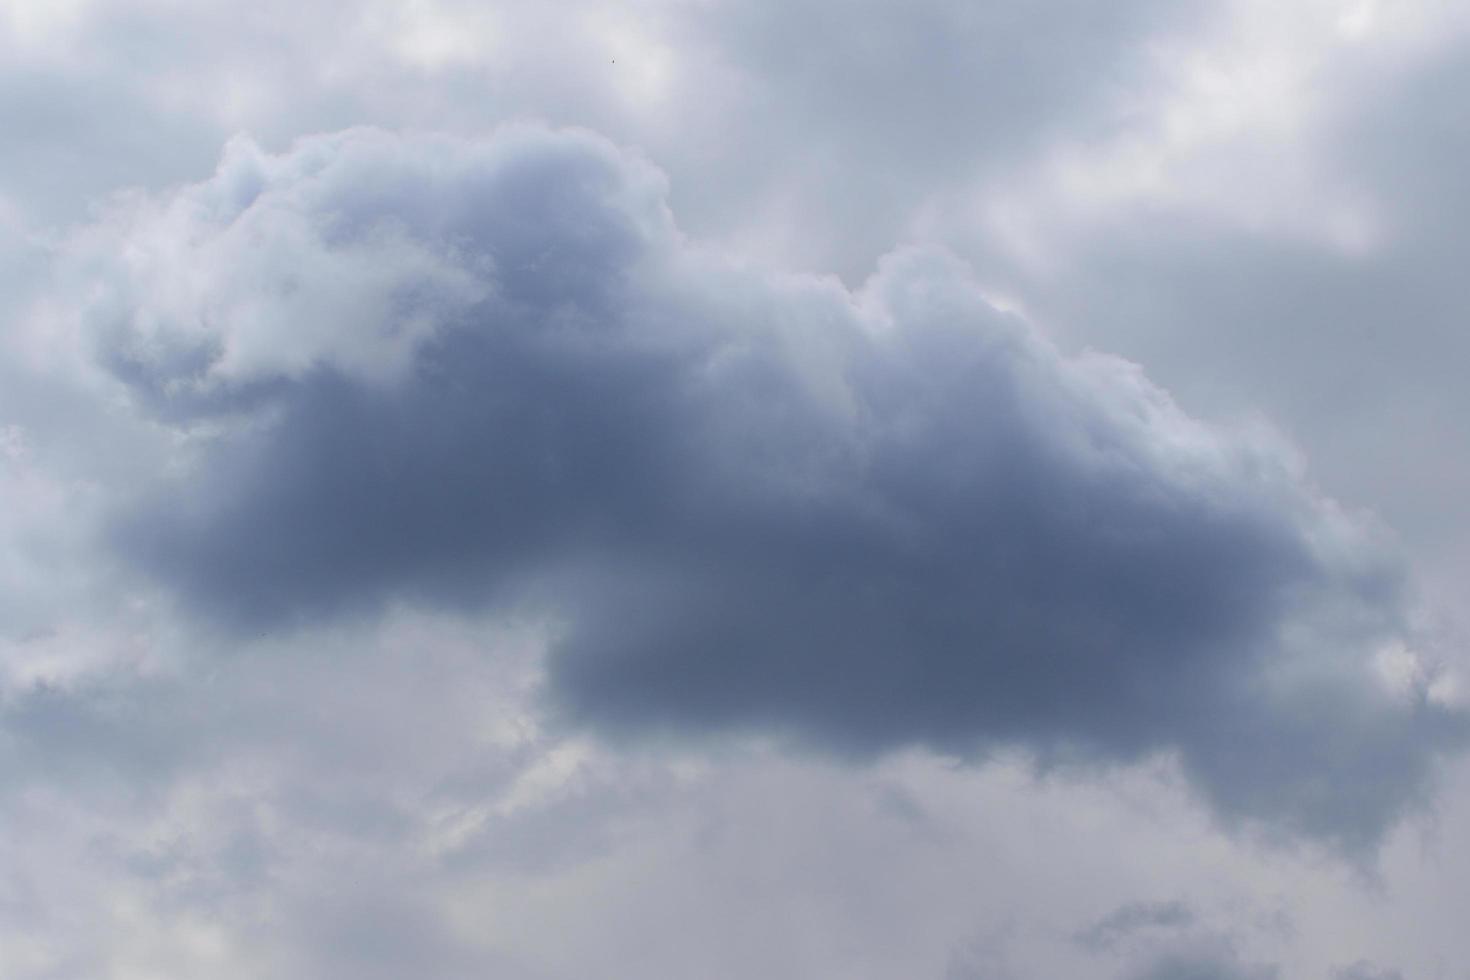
(493, 374)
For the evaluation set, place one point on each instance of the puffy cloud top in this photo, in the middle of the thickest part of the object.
(492, 372)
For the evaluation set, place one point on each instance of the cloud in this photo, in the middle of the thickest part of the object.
(257, 714)
(899, 106)
(770, 136)
(1365, 970)
(493, 374)
(1124, 921)
(1211, 961)
(270, 813)
(1312, 242)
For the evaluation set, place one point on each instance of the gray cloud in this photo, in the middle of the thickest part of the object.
(291, 811)
(1365, 970)
(1124, 921)
(1212, 961)
(493, 373)
(900, 104)
(347, 414)
(1168, 941)
(1349, 341)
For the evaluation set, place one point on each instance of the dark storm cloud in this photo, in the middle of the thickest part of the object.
(474, 373)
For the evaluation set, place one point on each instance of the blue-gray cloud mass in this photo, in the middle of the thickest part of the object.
(493, 373)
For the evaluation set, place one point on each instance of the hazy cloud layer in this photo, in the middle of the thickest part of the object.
(492, 373)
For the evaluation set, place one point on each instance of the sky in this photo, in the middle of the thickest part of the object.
(692, 488)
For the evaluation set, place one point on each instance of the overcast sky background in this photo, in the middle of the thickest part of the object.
(685, 488)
